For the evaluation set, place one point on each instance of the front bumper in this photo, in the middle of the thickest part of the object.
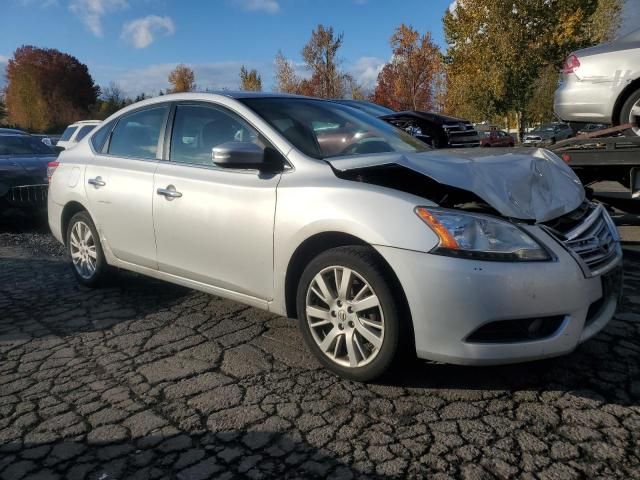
(451, 298)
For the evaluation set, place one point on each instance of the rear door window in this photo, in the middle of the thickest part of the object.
(136, 135)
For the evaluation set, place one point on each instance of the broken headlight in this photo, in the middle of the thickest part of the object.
(480, 237)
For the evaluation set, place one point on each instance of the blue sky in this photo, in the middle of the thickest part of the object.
(137, 42)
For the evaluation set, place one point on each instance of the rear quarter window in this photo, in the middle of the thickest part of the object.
(98, 139)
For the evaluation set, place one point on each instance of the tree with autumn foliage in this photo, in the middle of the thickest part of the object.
(321, 56)
(47, 89)
(502, 54)
(183, 79)
(286, 80)
(407, 81)
(250, 80)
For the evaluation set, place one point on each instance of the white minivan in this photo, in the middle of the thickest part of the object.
(76, 132)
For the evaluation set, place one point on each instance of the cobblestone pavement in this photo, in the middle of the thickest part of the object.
(149, 380)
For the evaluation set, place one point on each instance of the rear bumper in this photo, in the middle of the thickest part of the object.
(584, 101)
(25, 196)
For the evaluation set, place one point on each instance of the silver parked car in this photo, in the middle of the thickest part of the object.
(377, 244)
(547, 134)
(601, 84)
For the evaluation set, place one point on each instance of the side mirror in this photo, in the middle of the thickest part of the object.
(238, 155)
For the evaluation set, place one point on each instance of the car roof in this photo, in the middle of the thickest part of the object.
(86, 122)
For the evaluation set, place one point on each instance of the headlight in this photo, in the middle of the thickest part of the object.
(480, 237)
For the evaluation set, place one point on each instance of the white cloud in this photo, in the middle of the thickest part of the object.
(268, 6)
(365, 71)
(453, 5)
(141, 32)
(92, 11)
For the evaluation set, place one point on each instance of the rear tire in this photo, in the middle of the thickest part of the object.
(630, 113)
(88, 262)
(359, 345)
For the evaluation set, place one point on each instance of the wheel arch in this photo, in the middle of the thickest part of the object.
(624, 95)
(320, 242)
(69, 210)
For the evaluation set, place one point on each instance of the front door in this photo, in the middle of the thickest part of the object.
(214, 225)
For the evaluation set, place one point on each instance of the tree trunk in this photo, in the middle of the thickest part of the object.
(521, 125)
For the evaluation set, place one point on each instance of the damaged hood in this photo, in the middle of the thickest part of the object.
(527, 183)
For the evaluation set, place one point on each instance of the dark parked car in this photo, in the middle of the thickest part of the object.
(439, 131)
(547, 134)
(23, 171)
(496, 138)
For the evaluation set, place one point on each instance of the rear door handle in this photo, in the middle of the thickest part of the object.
(169, 192)
(97, 182)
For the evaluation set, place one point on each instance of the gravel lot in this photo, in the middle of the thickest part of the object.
(148, 380)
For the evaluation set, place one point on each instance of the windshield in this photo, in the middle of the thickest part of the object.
(323, 129)
(23, 145)
(368, 107)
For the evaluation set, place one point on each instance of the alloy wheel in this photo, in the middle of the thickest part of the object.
(82, 247)
(634, 118)
(345, 316)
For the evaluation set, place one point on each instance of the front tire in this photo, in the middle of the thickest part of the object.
(630, 113)
(88, 262)
(349, 313)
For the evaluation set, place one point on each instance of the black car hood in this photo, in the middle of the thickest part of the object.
(430, 116)
(526, 184)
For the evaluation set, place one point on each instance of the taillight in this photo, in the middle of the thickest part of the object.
(51, 167)
(570, 64)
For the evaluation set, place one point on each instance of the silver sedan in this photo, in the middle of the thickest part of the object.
(601, 84)
(378, 245)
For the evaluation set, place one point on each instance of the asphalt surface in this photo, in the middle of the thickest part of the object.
(144, 379)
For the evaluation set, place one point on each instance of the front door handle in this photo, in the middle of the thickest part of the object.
(97, 182)
(169, 192)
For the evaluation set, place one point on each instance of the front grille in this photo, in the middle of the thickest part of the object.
(532, 139)
(28, 194)
(593, 241)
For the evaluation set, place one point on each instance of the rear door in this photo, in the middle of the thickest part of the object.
(217, 228)
(119, 184)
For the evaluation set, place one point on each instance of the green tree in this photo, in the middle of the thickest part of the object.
(497, 51)
(250, 80)
(3, 110)
(112, 98)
